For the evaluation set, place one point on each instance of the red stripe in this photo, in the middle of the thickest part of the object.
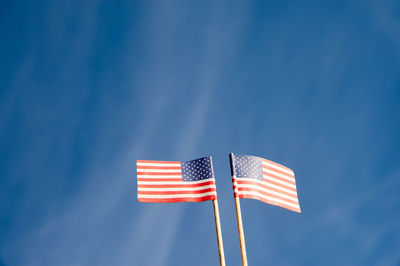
(177, 185)
(210, 197)
(267, 182)
(155, 173)
(277, 164)
(279, 178)
(176, 192)
(145, 161)
(267, 194)
(278, 171)
(159, 167)
(159, 179)
(246, 196)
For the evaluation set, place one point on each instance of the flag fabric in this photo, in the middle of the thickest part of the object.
(258, 178)
(165, 181)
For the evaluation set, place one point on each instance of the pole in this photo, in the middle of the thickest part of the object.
(219, 234)
(240, 229)
(238, 211)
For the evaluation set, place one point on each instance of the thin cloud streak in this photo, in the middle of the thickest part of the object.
(188, 139)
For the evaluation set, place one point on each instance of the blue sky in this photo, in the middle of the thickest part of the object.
(89, 87)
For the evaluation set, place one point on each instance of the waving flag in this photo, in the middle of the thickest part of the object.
(164, 181)
(258, 178)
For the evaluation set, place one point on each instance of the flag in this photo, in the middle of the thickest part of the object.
(258, 178)
(165, 181)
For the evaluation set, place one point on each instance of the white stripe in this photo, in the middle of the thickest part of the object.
(279, 174)
(159, 164)
(159, 176)
(296, 206)
(279, 181)
(270, 185)
(178, 195)
(267, 191)
(175, 189)
(278, 168)
(174, 182)
(178, 171)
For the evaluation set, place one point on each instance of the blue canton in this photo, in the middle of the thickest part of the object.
(247, 166)
(197, 169)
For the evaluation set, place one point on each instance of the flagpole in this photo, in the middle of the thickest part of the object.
(240, 229)
(238, 212)
(219, 234)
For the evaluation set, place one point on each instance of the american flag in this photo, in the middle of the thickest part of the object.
(258, 178)
(165, 181)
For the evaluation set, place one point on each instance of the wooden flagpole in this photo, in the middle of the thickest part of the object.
(240, 230)
(219, 234)
(238, 213)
